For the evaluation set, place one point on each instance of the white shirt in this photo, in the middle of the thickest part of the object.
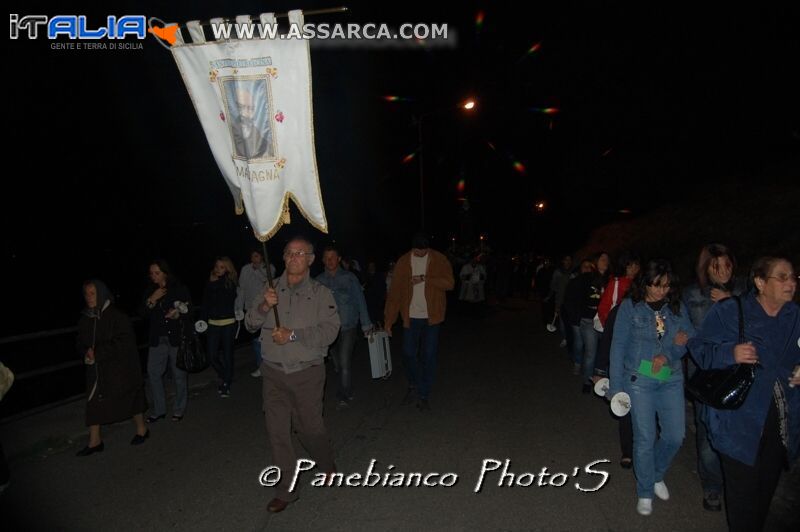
(419, 305)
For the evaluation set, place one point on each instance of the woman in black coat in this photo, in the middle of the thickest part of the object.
(113, 372)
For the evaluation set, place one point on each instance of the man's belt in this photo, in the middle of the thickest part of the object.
(293, 367)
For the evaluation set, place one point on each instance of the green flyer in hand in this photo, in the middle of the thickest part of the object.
(646, 369)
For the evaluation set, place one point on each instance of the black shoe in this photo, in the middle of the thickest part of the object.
(410, 395)
(277, 505)
(626, 463)
(138, 440)
(711, 502)
(153, 419)
(86, 451)
(423, 405)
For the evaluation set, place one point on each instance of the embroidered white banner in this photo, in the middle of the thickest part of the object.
(253, 98)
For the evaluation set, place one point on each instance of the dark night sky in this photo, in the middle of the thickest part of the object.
(111, 166)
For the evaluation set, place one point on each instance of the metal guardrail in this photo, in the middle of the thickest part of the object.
(48, 369)
(39, 335)
(51, 333)
(41, 408)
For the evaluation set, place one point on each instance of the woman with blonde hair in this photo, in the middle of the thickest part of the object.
(220, 301)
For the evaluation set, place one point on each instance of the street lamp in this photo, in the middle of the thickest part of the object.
(467, 105)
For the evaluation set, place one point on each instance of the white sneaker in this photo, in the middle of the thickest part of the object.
(644, 506)
(661, 490)
(256, 373)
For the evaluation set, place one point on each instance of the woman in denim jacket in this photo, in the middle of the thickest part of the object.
(755, 440)
(650, 337)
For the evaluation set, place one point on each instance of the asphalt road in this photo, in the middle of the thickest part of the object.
(504, 392)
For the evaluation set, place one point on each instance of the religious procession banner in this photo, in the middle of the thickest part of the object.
(253, 98)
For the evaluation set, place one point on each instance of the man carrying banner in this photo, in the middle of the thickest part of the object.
(293, 364)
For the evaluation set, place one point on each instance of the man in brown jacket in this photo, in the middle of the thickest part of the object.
(421, 278)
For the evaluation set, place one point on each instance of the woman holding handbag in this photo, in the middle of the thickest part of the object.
(165, 301)
(756, 440)
(114, 382)
(650, 334)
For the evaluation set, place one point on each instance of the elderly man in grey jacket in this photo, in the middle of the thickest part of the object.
(293, 366)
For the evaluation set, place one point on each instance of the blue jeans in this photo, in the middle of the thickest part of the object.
(221, 336)
(590, 338)
(157, 360)
(342, 353)
(257, 349)
(650, 398)
(709, 467)
(562, 328)
(576, 346)
(708, 464)
(421, 376)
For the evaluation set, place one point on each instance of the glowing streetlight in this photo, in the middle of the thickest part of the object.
(468, 105)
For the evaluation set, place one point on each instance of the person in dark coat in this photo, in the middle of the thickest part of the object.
(166, 305)
(114, 382)
(571, 312)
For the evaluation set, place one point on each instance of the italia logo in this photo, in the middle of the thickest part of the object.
(76, 27)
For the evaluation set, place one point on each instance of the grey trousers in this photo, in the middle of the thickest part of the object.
(157, 360)
(294, 400)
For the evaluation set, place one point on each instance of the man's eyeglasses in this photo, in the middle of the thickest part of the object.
(293, 254)
(783, 278)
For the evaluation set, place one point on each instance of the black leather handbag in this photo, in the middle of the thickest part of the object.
(191, 357)
(727, 388)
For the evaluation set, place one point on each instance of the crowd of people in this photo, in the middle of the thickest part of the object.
(627, 320)
(640, 328)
